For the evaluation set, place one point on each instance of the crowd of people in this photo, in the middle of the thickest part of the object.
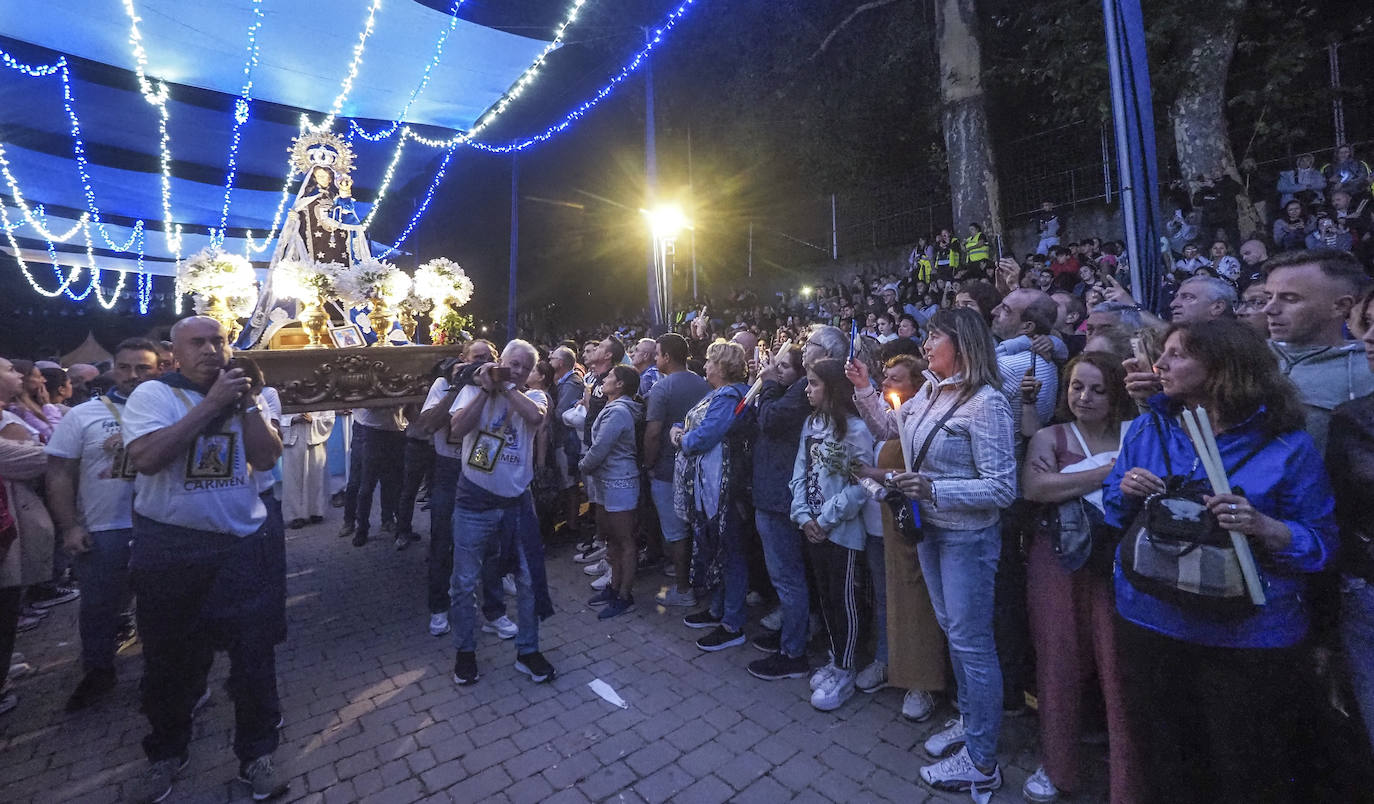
(979, 478)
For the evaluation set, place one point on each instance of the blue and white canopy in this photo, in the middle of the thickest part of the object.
(201, 50)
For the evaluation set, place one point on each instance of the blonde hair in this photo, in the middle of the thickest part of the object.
(729, 358)
(975, 350)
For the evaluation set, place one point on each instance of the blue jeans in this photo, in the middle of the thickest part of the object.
(874, 551)
(477, 535)
(443, 485)
(782, 553)
(104, 573)
(960, 567)
(727, 599)
(1357, 634)
(674, 529)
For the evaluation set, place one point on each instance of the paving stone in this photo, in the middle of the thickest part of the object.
(663, 784)
(708, 790)
(764, 790)
(743, 769)
(607, 780)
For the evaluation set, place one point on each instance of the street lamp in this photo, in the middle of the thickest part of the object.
(666, 222)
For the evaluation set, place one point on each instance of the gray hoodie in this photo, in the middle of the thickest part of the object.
(1326, 376)
(613, 453)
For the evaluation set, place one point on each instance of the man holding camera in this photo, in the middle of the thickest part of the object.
(199, 559)
(495, 420)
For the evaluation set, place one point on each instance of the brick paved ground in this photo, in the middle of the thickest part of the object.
(372, 714)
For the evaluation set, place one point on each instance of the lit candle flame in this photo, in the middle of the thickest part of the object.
(895, 400)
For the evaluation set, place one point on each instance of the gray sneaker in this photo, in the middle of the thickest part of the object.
(155, 784)
(262, 778)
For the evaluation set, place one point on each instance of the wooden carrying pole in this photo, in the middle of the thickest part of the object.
(1200, 431)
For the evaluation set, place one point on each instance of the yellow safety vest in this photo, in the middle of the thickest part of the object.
(976, 248)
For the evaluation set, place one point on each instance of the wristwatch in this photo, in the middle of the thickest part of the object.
(887, 478)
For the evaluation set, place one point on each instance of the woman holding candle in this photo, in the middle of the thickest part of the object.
(966, 477)
(1214, 699)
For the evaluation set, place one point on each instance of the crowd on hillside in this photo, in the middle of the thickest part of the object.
(981, 478)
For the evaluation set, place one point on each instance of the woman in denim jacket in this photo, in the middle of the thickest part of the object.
(967, 477)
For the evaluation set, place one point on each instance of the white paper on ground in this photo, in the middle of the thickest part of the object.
(607, 693)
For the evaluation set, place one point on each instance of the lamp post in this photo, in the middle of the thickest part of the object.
(666, 222)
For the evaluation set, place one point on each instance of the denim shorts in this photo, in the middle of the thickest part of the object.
(614, 495)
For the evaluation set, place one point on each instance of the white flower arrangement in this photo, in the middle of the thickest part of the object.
(360, 283)
(306, 281)
(440, 283)
(214, 274)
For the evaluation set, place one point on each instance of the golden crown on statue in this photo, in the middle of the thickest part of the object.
(321, 149)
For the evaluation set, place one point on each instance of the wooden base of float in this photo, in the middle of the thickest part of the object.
(341, 379)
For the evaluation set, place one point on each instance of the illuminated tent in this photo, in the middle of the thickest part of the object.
(203, 50)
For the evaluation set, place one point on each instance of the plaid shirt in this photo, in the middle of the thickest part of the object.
(972, 460)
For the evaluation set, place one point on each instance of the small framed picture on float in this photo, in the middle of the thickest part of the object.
(347, 336)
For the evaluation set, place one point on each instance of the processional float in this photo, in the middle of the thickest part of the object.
(324, 297)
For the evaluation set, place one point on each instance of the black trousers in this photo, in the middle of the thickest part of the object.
(197, 593)
(842, 584)
(1215, 724)
(1010, 621)
(419, 468)
(377, 456)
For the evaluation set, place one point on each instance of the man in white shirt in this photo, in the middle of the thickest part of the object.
(434, 419)
(90, 495)
(496, 421)
(198, 560)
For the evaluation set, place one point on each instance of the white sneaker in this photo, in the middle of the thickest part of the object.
(772, 620)
(438, 624)
(602, 582)
(872, 678)
(958, 774)
(822, 676)
(594, 553)
(835, 690)
(947, 739)
(1039, 788)
(918, 705)
(672, 597)
(753, 599)
(508, 585)
(502, 627)
(20, 670)
(596, 568)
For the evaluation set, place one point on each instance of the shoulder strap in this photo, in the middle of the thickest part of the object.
(1087, 451)
(1164, 445)
(1252, 453)
(930, 437)
(114, 410)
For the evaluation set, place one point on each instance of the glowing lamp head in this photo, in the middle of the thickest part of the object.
(667, 220)
(806, 290)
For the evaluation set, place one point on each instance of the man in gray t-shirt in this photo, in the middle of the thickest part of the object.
(675, 392)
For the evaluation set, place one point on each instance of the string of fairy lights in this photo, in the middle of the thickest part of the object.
(158, 94)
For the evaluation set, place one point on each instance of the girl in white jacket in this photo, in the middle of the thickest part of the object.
(827, 503)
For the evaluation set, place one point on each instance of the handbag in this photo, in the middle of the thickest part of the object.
(1175, 551)
(906, 515)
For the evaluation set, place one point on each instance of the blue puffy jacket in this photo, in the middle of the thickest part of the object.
(1285, 480)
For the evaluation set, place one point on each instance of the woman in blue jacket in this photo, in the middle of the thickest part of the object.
(1213, 697)
(712, 468)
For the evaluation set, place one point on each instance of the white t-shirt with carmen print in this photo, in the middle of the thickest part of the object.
(90, 433)
(511, 467)
(208, 487)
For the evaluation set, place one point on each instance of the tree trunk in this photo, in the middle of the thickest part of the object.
(1198, 112)
(972, 170)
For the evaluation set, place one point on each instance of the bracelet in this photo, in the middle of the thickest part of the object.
(251, 409)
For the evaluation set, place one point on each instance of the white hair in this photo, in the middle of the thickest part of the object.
(1217, 290)
(518, 345)
(832, 340)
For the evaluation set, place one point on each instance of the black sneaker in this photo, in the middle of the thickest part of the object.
(45, 597)
(720, 639)
(603, 597)
(768, 642)
(465, 668)
(618, 606)
(535, 666)
(126, 635)
(388, 527)
(93, 686)
(336, 500)
(360, 538)
(346, 530)
(779, 666)
(402, 541)
(295, 524)
(315, 520)
(701, 619)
